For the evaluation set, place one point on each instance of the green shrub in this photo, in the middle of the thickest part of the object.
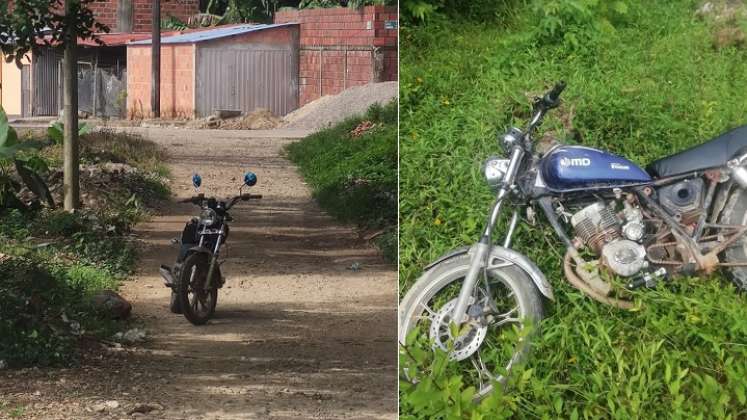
(354, 178)
(44, 312)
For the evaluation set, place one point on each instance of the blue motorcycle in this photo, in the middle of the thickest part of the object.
(195, 277)
(686, 214)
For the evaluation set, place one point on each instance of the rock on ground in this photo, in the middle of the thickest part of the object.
(112, 304)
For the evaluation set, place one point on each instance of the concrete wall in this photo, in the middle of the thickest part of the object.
(343, 47)
(177, 81)
(10, 80)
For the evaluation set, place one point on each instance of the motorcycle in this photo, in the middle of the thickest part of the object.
(685, 215)
(195, 277)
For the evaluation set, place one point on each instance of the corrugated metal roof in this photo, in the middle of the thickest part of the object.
(210, 34)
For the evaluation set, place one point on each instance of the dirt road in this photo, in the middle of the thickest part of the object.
(297, 332)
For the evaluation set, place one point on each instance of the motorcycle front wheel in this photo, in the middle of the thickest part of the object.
(196, 302)
(504, 319)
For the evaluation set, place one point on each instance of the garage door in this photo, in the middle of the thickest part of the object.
(246, 79)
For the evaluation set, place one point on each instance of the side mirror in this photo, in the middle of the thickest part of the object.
(196, 180)
(250, 179)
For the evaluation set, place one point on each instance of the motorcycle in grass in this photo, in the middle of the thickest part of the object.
(686, 214)
(196, 277)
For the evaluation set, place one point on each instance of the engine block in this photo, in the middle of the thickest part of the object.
(600, 228)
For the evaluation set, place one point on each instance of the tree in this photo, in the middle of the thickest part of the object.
(28, 25)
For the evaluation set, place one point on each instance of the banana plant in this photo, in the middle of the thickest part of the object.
(27, 168)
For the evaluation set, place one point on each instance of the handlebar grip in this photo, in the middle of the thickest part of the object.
(552, 98)
(246, 197)
(554, 94)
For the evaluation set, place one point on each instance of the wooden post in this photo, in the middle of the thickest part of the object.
(155, 85)
(71, 183)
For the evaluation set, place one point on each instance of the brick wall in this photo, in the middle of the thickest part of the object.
(105, 11)
(177, 81)
(340, 48)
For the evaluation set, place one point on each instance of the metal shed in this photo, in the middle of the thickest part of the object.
(240, 68)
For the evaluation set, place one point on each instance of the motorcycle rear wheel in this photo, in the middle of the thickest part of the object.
(517, 300)
(174, 306)
(197, 304)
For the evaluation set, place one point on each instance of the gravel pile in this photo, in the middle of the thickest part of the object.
(332, 109)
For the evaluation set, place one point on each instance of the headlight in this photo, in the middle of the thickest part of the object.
(495, 169)
(208, 217)
(512, 137)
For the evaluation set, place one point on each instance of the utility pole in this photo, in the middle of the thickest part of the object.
(71, 183)
(155, 86)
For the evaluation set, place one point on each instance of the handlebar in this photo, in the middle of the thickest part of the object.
(552, 98)
(198, 199)
(243, 197)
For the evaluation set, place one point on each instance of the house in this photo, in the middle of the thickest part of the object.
(35, 89)
(239, 67)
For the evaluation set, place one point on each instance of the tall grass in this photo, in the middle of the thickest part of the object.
(643, 85)
(354, 177)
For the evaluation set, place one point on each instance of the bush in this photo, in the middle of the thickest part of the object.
(354, 177)
(44, 312)
(51, 261)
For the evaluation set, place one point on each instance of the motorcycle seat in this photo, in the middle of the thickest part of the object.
(711, 154)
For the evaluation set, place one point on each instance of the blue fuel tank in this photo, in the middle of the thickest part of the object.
(577, 167)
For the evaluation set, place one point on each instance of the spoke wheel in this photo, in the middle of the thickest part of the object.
(500, 326)
(196, 302)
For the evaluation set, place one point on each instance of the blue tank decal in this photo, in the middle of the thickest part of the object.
(574, 167)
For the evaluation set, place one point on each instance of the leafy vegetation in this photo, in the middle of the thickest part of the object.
(352, 168)
(354, 4)
(52, 261)
(644, 80)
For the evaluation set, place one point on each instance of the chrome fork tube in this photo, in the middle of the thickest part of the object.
(511, 228)
(483, 246)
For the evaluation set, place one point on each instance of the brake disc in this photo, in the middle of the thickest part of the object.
(465, 345)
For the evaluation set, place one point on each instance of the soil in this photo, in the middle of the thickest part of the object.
(298, 333)
(331, 109)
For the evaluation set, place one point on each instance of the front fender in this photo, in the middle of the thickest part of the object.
(507, 255)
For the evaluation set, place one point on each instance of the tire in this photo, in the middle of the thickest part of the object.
(174, 306)
(735, 213)
(207, 299)
(447, 277)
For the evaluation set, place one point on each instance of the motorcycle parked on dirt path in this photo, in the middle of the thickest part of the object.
(196, 277)
(685, 215)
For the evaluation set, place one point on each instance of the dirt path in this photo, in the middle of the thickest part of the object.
(297, 333)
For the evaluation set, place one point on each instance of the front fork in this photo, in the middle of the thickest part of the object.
(482, 249)
(213, 258)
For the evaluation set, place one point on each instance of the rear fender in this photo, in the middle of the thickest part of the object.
(509, 256)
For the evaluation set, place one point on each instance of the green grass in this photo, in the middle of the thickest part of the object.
(651, 86)
(355, 178)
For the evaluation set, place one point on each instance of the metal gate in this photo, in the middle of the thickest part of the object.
(46, 83)
(25, 90)
(245, 79)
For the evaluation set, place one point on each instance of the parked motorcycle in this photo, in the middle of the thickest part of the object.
(685, 215)
(196, 277)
